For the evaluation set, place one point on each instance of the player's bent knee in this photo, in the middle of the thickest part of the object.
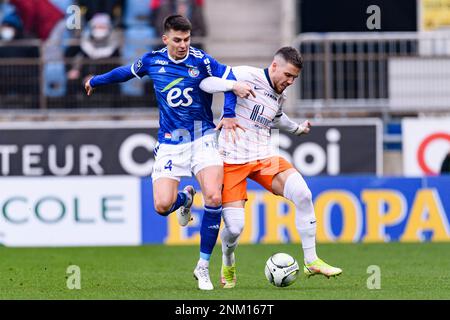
(213, 199)
(162, 211)
(306, 195)
(235, 230)
(162, 207)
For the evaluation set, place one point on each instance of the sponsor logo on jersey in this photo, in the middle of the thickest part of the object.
(194, 72)
(172, 84)
(267, 94)
(162, 62)
(207, 62)
(224, 153)
(177, 97)
(257, 113)
(162, 70)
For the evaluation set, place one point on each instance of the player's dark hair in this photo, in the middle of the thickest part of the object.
(177, 22)
(291, 55)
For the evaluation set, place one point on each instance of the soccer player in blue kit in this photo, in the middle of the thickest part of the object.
(187, 140)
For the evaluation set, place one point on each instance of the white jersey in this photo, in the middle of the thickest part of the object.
(256, 116)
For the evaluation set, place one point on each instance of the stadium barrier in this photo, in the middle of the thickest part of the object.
(348, 209)
(104, 211)
(388, 72)
(36, 85)
(126, 148)
(70, 211)
(379, 72)
(86, 183)
(426, 143)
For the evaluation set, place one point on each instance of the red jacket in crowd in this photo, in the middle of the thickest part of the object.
(39, 17)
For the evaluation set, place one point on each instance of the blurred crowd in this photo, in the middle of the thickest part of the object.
(111, 33)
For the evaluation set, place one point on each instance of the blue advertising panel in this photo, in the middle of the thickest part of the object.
(348, 209)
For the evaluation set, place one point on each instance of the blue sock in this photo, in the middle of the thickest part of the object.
(209, 230)
(181, 200)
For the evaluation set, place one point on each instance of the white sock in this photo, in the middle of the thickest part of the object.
(234, 220)
(203, 263)
(309, 254)
(296, 190)
(228, 259)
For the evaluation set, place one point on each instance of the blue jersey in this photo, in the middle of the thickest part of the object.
(184, 109)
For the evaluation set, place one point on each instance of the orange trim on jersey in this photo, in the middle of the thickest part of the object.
(247, 128)
(261, 103)
(261, 171)
(243, 106)
(250, 109)
(260, 124)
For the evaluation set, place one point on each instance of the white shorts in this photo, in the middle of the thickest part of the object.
(181, 160)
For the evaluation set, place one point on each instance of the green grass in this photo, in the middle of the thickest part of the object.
(408, 271)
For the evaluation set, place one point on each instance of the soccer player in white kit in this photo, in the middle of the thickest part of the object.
(251, 156)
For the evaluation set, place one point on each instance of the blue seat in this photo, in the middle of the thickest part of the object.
(134, 48)
(55, 79)
(137, 13)
(6, 9)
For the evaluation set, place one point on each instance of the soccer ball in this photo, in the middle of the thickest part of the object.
(281, 270)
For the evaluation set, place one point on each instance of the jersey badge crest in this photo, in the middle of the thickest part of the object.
(194, 72)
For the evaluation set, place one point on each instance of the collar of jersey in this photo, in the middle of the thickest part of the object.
(266, 72)
(178, 61)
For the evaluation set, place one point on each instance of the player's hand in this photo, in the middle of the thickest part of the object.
(243, 90)
(303, 128)
(88, 87)
(230, 125)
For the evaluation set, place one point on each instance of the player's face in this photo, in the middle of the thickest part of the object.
(283, 75)
(177, 43)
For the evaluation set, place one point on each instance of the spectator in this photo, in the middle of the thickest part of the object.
(22, 79)
(11, 29)
(445, 167)
(99, 43)
(111, 7)
(44, 20)
(40, 17)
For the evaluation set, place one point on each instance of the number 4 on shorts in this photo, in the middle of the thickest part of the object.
(168, 165)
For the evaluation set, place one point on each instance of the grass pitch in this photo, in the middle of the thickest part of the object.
(408, 271)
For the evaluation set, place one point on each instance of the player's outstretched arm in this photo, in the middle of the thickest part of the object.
(283, 122)
(117, 75)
